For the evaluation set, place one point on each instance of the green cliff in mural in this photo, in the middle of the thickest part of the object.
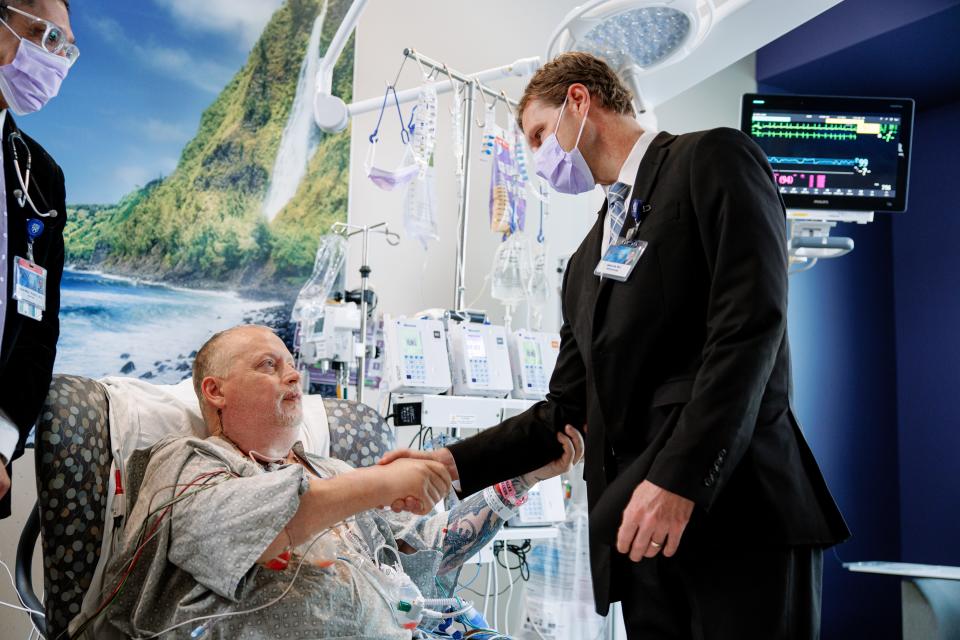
(204, 224)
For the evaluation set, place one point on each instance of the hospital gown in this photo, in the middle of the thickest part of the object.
(202, 560)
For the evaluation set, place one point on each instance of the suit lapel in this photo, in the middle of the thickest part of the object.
(642, 189)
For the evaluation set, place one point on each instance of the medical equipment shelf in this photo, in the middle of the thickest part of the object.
(526, 533)
(464, 412)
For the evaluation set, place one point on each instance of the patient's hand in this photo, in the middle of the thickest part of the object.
(443, 456)
(572, 443)
(422, 483)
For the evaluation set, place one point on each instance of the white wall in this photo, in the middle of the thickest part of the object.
(485, 35)
(407, 278)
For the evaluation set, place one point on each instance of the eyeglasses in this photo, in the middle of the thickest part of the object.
(54, 39)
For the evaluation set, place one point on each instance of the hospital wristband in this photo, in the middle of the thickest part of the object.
(509, 493)
(497, 504)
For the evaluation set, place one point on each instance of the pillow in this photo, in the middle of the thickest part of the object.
(143, 413)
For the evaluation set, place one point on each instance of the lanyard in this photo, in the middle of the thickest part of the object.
(637, 210)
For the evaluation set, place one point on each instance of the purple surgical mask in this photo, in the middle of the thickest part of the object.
(390, 180)
(566, 171)
(33, 78)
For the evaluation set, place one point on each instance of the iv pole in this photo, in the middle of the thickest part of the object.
(472, 86)
(350, 230)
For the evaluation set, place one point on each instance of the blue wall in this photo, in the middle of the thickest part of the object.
(843, 339)
(927, 279)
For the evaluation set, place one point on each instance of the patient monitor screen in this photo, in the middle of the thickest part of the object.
(834, 153)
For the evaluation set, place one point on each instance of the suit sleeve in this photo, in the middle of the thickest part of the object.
(742, 226)
(529, 440)
(25, 381)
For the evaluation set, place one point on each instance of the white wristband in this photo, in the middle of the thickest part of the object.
(497, 505)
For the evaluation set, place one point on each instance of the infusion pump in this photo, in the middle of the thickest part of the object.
(416, 356)
(333, 337)
(533, 356)
(479, 360)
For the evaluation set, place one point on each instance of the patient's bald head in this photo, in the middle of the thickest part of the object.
(247, 381)
(214, 357)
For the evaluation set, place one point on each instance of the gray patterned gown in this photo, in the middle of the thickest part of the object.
(202, 560)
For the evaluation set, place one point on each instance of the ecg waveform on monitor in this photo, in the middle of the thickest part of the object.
(830, 129)
(829, 162)
(803, 130)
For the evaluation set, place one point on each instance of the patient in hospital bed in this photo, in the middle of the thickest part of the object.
(245, 535)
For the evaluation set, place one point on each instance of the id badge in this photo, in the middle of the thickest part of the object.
(619, 260)
(30, 284)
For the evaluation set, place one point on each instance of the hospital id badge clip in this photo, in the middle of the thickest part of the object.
(29, 287)
(620, 259)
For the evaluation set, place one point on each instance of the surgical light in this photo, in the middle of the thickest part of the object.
(638, 37)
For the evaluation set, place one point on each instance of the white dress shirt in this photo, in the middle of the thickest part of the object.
(628, 175)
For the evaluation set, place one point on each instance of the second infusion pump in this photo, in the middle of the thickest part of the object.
(479, 360)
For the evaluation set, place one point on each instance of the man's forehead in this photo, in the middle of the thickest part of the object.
(251, 341)
(533, 114)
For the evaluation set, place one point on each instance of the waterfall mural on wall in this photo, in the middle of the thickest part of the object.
(301, 135)
(230, 234)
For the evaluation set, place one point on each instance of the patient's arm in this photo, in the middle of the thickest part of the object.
(472, 523)
(470, 526)
(329, 501)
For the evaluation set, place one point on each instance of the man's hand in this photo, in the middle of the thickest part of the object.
(4, 482)
(443, 456)
(653, 520)
(572, 443)
(423, 482)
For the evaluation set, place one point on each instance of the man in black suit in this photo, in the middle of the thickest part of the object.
(36, 51)
(708, 511)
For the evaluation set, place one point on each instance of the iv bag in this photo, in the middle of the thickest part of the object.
(538, 290)
(420, 208)
(502, 181)
(327, 277)
(424, 125)
(510, 275)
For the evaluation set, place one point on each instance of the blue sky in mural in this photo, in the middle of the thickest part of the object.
(147, 70)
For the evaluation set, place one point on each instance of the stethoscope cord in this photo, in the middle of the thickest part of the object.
(23, 194)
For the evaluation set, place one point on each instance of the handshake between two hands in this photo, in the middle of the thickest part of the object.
(653, 521)
(421, 479)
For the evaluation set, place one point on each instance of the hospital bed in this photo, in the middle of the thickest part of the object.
(73, 463)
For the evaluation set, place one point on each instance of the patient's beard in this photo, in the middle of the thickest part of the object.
(274, 437)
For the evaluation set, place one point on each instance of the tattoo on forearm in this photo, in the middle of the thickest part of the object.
(471, 525)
